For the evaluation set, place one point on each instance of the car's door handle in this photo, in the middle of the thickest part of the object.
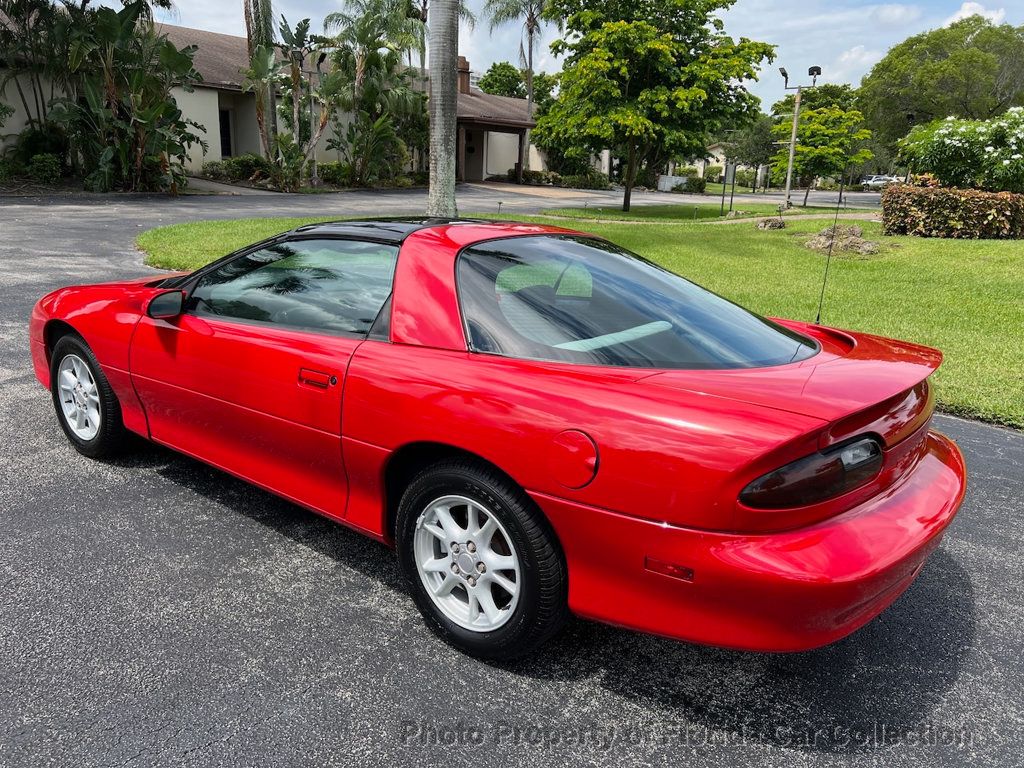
(317, 379)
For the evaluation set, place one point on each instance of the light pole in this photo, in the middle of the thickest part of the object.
(813, 73)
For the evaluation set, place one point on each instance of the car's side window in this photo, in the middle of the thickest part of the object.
(322, 285)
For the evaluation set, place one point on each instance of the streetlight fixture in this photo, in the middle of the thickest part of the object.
(813, 73)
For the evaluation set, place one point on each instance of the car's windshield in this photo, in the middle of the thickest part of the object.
(583, 300)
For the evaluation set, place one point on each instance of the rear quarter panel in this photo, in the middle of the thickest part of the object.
(664, 455)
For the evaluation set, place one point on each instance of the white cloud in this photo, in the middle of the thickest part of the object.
(968, 9)
(852, 63)
(895, 14)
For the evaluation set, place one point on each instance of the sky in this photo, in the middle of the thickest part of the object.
(845, 38)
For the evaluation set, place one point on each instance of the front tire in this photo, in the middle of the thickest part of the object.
(482, 563)
(87, 408)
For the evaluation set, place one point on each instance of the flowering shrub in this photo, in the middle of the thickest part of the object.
(961, 213)
(985, 154)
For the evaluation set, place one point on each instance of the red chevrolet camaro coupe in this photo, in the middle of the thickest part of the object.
(540, 422)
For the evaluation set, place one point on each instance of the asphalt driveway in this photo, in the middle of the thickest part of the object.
(154, 611)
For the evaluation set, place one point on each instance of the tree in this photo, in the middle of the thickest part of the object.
(648, 78)
(367, 26)
(503, 79)
(125, 125)
(419, 9)
(444, 91)
(320, 95)
(972, 69)
(364, 33)
(544, 86)
(389, 114)
(754, 145)
(829, 139)
(825, 95)
(26, 39)
(259, 31)
(499, 12)
(260, 79)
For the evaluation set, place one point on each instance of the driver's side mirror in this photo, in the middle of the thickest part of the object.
(166, 305)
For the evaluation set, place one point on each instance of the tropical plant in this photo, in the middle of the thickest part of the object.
(260, 38)
(373, 150)
(26, 48)
(125, 125)
(987, 154)
(318, 96)
(366, 27)
(389, 112)
(650, 80)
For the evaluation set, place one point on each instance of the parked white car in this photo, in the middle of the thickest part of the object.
(877, 182)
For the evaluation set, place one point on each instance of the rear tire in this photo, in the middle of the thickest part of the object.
(481, 561)
(87, 408)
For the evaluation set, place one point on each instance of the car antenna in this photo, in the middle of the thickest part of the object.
(831, 243)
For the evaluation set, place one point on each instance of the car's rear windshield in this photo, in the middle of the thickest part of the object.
(583, 300)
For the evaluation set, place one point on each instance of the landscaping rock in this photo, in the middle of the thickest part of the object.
(775, 223)
(843, 239)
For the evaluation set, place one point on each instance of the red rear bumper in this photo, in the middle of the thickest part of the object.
(787, 591)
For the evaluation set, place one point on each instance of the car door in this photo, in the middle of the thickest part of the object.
(250, 377)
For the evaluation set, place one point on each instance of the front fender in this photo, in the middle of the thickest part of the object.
(105, 316)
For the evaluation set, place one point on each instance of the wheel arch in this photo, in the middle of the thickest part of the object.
(54, 331)
(409, 460)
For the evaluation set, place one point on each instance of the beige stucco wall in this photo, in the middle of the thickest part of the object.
(203, 106)
(502, 153)
(245, 132)
(323, 154)
(16, 123)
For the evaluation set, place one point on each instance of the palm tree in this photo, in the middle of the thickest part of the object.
(419, 9)
(259, 32)
(259, 23)
(499, 12)
(367, 27)
(444, 90)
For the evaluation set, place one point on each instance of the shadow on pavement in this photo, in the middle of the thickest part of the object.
(870, 691)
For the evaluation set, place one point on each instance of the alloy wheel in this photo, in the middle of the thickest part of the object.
(467, 562)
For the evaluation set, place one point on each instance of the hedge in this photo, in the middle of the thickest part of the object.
(336, 173)
(949, 212)
(241, 168)
(44, 168)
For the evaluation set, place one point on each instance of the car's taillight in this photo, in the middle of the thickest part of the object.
(816, 478)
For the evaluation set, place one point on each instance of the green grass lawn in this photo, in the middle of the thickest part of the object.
(715, 189)
(962, 296)
(671, 212)
(686, 212)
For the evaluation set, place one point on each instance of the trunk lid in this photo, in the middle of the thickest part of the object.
(857, 382)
